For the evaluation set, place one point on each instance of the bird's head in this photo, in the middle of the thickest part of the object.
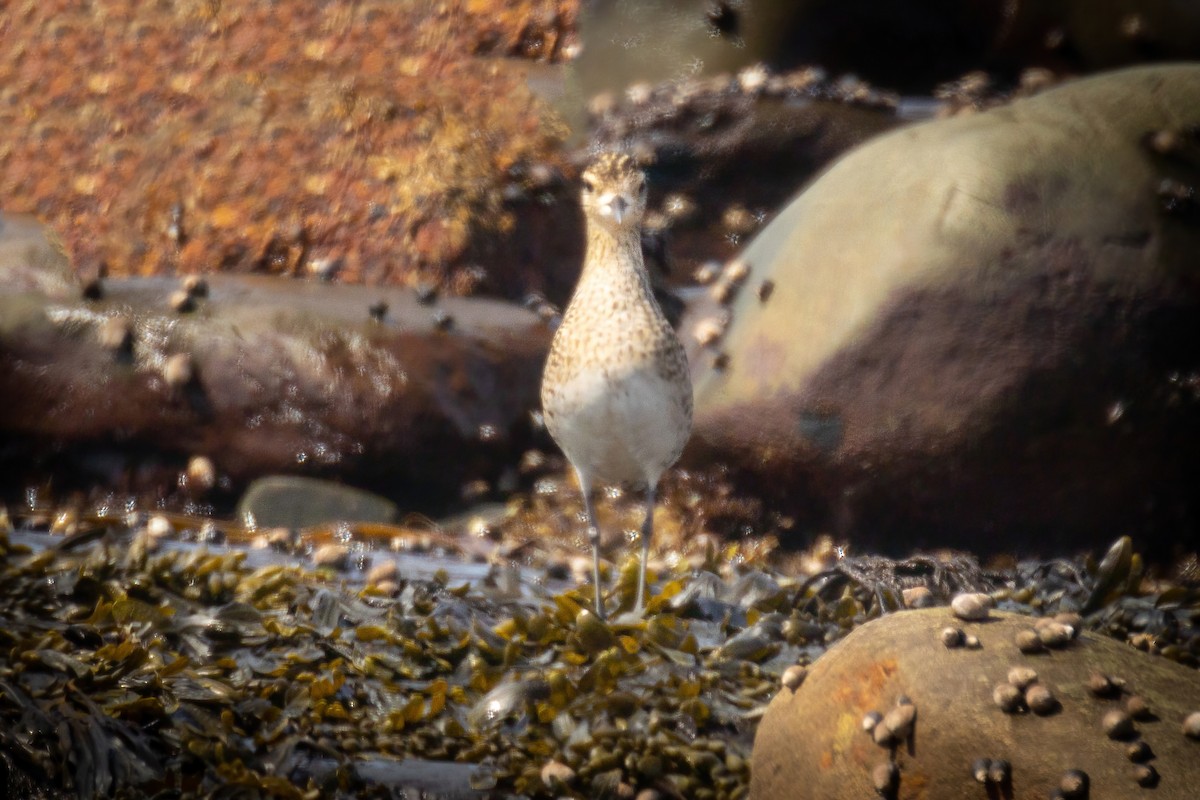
(614, 192)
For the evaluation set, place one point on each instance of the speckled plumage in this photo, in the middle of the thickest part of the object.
(616, 393)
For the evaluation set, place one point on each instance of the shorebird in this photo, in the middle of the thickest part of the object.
(616, 392)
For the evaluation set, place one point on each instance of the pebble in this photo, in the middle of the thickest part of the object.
(1054, 634)
(1022, 677)
(793, 676)
(159, 527)
(917, 597)
(708, 331)
(1139, 751)
(870, 720)
(885, 777)
(1101, 685)
(195, 286)
(971, 606)
(332, 555)
(736, 271)
(1041, 700)
(1117, 725)
(115, 334)
(181, 301)
(388, 588)
(707, 272)
(1191, 725)
(382, 571)
(1028, 641)
(1145, 775)
(177, 370)
(1137, 708)
(952, 637)
(556, 774)
(1007, 697)
(899, 720)
(1074, 783)
(201, 473)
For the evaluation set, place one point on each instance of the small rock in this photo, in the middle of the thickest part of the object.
(999, 772)
(1071, 620)
(1102, 685)
(971, 606)
(201, 473)
(115, 334)
(1139, 751)
(707, 272)
(899, 720)
(556, 774)
(159, 527)
(1191, 725)
(736, 271)
(1137, 708)
(883, 735)
(1145, 775)
(1028, 641)
(1022, 677)
(93, 289)
(870, 720)
(708, 331)
(972, 641)
(291, 501)
(181, 301)
(177, 370)
(793, 676)
(722, 291)
(195, 286)
(332, 556)
(1074, 783)
(952, 637)
(426, 292)
(1117, 725)
(279, 539)
(885, 777)
(1041, 700)
(1008, 698)
(388, 588)
(917, 597)
(980, 768)
(1054, 634)
(765, 290)
(382, 571)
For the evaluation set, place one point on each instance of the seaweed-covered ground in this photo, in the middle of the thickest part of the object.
(145, 655)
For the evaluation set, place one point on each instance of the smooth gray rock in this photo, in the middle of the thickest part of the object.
(979, 326)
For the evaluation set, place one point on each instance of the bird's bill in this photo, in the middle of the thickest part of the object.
(615, 206)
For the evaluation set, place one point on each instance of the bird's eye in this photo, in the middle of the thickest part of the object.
(589, 185)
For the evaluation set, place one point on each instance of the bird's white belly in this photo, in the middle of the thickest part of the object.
(621, 429)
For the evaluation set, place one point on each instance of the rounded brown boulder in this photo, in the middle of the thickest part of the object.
(978, 330)
(951, 735)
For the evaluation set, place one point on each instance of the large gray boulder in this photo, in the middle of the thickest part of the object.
(987, 324)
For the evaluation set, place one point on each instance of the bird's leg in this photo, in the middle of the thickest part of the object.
(647, 532)
(594, 537)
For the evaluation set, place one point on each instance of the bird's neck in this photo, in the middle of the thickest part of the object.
(612, 253)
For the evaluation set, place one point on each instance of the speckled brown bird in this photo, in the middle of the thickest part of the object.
(616, 393)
